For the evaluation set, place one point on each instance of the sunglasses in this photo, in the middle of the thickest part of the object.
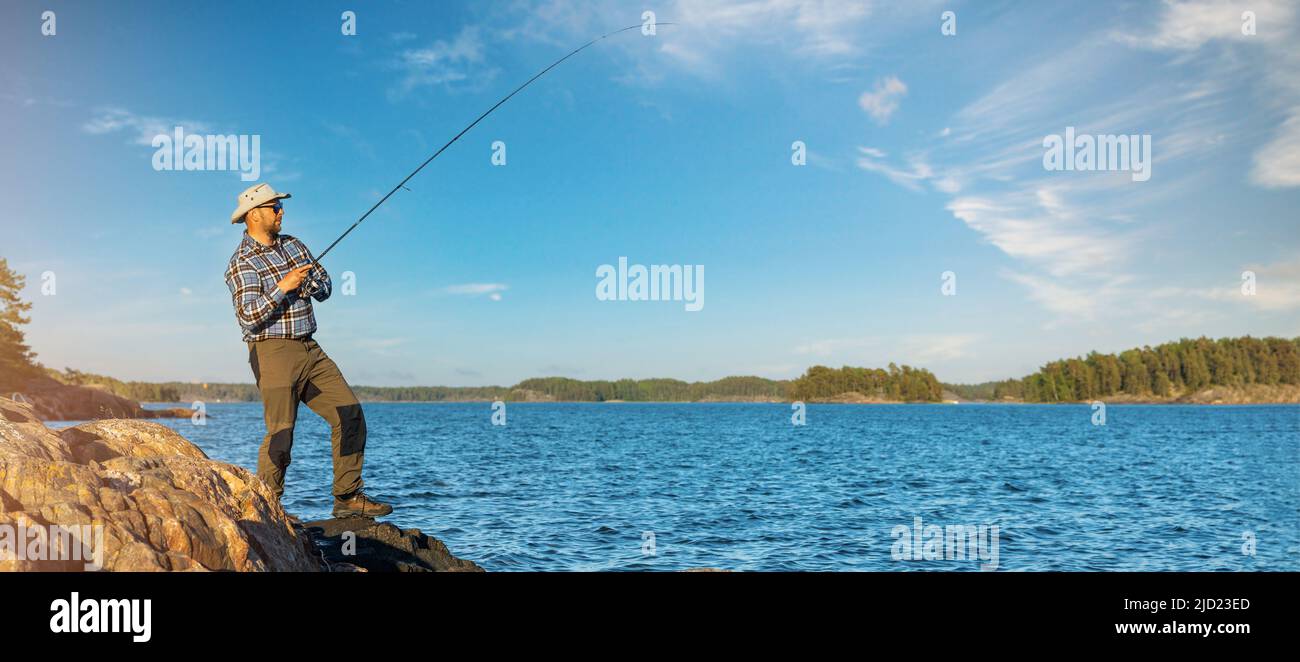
(275, 206)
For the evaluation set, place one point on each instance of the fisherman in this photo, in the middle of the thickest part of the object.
(272, 282)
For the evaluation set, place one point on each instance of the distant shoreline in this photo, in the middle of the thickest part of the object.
(774, 402)
(1242, 370)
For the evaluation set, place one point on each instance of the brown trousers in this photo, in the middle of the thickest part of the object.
(293, 371)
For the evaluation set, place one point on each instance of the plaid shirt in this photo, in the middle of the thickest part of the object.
(263, 310)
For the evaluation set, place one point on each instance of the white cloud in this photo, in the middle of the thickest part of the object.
(882, 101)
(935, 348)
(1277, 288)
(878, 351)
(1073, 235)
(707, 34)
(948, 185)
(1189, 25)
(816, 28)
(382, 346)
(444, 63)
(143, 128)
(917, 171)
(1063, 300)
(493, 290)
(1277, 164)
(1039, 227)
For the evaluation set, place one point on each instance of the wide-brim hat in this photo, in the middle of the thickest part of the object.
(255, 196)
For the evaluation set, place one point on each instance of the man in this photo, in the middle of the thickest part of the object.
(272, 282)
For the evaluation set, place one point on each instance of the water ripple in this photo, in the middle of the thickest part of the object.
(668, 487)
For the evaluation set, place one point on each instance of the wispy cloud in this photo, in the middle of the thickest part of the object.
(1071, 247)
(1277, 287)
(917, 171)
(876, 351)
(381, 346)
(1040, 227)
(883, 99)
(491, 290)
(448, 64)
(1189, 28)
(708, 34)
(1191, 24)
(27, 100)
(1277, 164)
(141, 128)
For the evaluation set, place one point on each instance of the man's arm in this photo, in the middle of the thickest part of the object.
(253, 307)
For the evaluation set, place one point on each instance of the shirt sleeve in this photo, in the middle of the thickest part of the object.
(253, 306)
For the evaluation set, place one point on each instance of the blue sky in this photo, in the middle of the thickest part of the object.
(924, 155)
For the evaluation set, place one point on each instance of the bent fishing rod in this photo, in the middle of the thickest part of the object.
(517, 90)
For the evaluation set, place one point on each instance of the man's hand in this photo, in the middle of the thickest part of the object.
(294, 279)
(311, 285)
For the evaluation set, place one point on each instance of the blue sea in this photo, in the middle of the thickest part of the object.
(623, 486)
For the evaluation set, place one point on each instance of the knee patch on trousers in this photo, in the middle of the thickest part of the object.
(354, 429)
(278, 450)
(309, 392)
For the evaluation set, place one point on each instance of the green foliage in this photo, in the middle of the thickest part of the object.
(1163, 371)
(656, 390)
(1166, 370)
(906, 384)
(138, 391)
(559, 388)
(1009, 388)
(17, 363)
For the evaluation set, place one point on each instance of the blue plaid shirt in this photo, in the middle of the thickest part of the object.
(262, 309)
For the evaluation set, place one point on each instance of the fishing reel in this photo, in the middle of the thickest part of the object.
(310, 285)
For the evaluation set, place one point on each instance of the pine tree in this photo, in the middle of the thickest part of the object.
(16, 358)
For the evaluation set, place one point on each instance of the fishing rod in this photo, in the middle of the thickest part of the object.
(402, 184)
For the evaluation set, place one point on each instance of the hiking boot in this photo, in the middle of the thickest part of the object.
(358, 504)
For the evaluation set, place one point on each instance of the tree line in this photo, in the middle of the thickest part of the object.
(655, 390)
(1167, 370)
(905, 384)
(557, 388)
(1164, 371)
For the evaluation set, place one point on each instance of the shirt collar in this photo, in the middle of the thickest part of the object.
(251, 244)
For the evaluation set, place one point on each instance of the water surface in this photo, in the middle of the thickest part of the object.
(577, 486)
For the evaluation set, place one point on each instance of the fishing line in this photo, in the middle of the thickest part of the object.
(402, 184)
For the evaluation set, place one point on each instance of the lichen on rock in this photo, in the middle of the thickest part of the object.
(162, 503)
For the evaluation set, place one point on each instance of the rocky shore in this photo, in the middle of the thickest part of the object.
(163, 505)
(364, 545)
(54, 401)
(1248, 394)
